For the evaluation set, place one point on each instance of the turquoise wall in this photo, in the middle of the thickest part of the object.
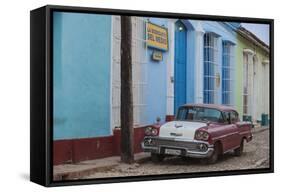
(81, 81)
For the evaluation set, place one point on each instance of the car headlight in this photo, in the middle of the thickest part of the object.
(151, 131)
(202, 135)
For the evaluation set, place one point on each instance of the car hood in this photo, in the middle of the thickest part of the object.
(180, 129)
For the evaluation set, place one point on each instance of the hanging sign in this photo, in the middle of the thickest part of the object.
(157, 36)
(157, 56)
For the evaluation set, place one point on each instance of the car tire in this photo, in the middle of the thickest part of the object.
(214, 157)
(238, 152)
(184, 158)
(157, 157)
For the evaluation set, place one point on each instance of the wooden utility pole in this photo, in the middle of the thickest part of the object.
(127, 131)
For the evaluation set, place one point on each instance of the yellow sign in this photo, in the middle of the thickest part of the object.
(157, 36)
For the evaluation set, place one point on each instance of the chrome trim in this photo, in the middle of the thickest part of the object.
(226, 135)
(244, 132)
(177, 139)
(187, 152)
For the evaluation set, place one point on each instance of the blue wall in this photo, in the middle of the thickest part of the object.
(222, 30)
(157, 83)
(190, 62)
(81, 65)
(225, 33)
(157, 80)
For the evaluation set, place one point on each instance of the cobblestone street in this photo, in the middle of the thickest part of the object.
(256, 155)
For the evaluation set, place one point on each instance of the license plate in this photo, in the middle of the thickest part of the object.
(173, 151)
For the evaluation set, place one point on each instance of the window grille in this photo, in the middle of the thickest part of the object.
(265, 87)
(227, 72)
(115, 74)
(210, 67)
(246, 84)
(139, 65)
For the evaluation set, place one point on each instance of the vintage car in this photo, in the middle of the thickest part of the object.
(204, 131)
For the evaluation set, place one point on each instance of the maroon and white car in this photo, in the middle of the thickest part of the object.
(203, 131)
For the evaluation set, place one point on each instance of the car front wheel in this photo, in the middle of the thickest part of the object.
(239, 150)
(214, 157)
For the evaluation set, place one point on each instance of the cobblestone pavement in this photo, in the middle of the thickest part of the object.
(256, 155)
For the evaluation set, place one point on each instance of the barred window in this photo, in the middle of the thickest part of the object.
(139, 68)
(210, 67)
(246, 82)
(227, 72)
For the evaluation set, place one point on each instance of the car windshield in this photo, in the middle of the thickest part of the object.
(199, 114)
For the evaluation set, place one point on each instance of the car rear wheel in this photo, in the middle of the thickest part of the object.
(157, 157)
(239, 150)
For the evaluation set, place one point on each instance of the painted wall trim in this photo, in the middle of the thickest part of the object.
(111, 79)
(199, 69)
(170, 68)
(265, 61)
(248, 51)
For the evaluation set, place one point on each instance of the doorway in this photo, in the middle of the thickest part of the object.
(180, 65)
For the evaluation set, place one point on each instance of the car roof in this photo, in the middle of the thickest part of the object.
(212, 106)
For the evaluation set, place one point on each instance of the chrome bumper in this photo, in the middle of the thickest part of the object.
(189, 148)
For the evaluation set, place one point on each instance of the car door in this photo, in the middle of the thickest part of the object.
(227, 133)
(236, 139)
(230, 132)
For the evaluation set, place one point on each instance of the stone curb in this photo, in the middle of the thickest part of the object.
(258, 130)
(75, 175)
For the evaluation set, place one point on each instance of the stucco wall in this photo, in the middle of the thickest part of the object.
(261, 93)
(157, 82)
(81, 65)
(239, 76)
(225, 34)
(195, 47)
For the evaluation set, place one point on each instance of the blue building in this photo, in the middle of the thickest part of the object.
(197, 67)
(205, 65)
(174, 62)
(81, 75)
(81, 85)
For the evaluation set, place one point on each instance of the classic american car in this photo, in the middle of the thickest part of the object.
(204, 131)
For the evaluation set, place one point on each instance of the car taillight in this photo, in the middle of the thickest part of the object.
(202, 135)
(151, 131)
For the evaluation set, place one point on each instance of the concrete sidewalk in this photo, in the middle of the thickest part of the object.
(259, 128)
(85, 168)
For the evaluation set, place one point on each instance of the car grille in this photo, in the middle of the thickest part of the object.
(177, 144)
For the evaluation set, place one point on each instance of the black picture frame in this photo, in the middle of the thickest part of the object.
(41, 102)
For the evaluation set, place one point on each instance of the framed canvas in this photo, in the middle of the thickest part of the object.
(126, 95)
